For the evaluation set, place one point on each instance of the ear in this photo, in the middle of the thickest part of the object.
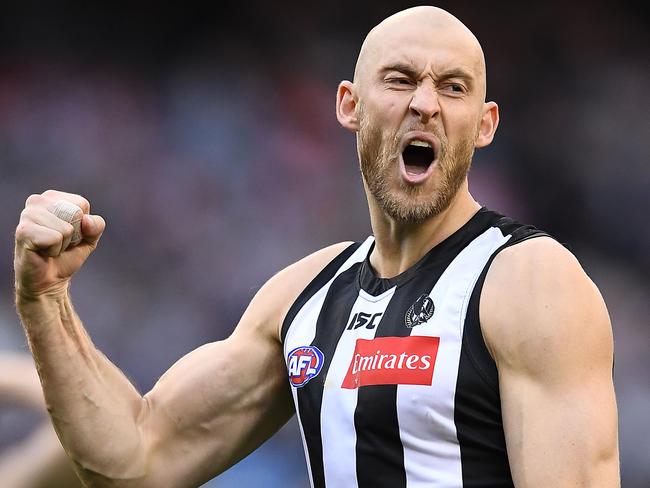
(488, 124)
(346, 106)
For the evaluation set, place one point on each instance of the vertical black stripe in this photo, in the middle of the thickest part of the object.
(477, 414)
(329, 328)
(321, 279)
(380, 454)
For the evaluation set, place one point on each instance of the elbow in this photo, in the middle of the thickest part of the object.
(112, 473)
(120, 460)
(606, 469)
(94, 479)
(118, 474)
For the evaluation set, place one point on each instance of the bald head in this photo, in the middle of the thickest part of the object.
(430, 28)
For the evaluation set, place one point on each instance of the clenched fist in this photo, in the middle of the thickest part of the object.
(43, 261)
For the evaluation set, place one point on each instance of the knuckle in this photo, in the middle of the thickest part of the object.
(28, 214)
(25, 218)
(33, 199)
(53, 246)
(82, 202)
(22, 230)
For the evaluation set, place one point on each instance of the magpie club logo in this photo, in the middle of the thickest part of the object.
(304, 363)
(420, 311)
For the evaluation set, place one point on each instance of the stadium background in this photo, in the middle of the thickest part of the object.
(208, 141)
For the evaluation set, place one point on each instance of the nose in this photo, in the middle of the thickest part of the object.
(424, 103)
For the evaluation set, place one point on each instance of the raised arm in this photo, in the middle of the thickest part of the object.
(209, 410)
(548, 330)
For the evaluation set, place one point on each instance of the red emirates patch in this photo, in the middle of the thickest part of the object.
(392, 361)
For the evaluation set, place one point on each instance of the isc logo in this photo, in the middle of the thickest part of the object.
(304, 363)
(362, 318)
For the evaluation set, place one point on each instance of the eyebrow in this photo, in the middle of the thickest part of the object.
(404, 68)
(410, 71)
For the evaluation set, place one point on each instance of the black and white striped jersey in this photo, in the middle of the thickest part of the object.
(392, 382)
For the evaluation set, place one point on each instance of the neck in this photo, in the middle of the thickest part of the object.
(399, 245)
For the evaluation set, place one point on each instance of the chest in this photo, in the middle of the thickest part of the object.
(375, 369)
(368, 358)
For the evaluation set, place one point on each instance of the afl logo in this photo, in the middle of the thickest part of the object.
(420, 311)
(304, 363)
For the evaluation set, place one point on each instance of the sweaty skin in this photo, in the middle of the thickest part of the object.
(421, 73)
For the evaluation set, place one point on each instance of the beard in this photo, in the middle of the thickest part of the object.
(378, 159)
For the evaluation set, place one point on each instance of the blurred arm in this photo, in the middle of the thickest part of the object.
(209, 410)
(38, 462)
(48, 466)
(548, 330)
(19, 383)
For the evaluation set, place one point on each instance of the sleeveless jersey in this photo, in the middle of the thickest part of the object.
(392, 382)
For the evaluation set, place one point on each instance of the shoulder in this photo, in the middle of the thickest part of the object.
(538, 304)
(272, 302)
(300, 273)
(289, 283)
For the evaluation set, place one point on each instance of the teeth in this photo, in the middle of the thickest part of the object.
(419, 143)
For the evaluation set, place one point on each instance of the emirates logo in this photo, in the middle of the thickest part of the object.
(392, 361)
(420, 311)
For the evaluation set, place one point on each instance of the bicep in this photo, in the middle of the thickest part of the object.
(551, 337)
(215, 406)
(560, 433)
(220, 402)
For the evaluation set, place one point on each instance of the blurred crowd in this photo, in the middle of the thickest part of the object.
(209, 144)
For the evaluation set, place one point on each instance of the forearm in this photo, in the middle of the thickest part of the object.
(94, 407)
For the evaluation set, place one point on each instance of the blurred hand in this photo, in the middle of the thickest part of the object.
(41, 263)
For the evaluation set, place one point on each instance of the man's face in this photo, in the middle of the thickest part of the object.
(421, 93)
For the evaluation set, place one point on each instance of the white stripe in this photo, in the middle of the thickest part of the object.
(426, 414)
(337, 410)
(307, 317)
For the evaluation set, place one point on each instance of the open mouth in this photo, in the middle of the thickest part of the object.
(418, 156)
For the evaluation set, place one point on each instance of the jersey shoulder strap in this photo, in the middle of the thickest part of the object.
(473, 343)
(321, 279)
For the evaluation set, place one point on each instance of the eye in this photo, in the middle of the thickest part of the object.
(454, 88)
(399, 80)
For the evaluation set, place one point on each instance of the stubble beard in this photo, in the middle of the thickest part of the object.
(410, 203)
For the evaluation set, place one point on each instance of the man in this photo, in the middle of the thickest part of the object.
(455, 348)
